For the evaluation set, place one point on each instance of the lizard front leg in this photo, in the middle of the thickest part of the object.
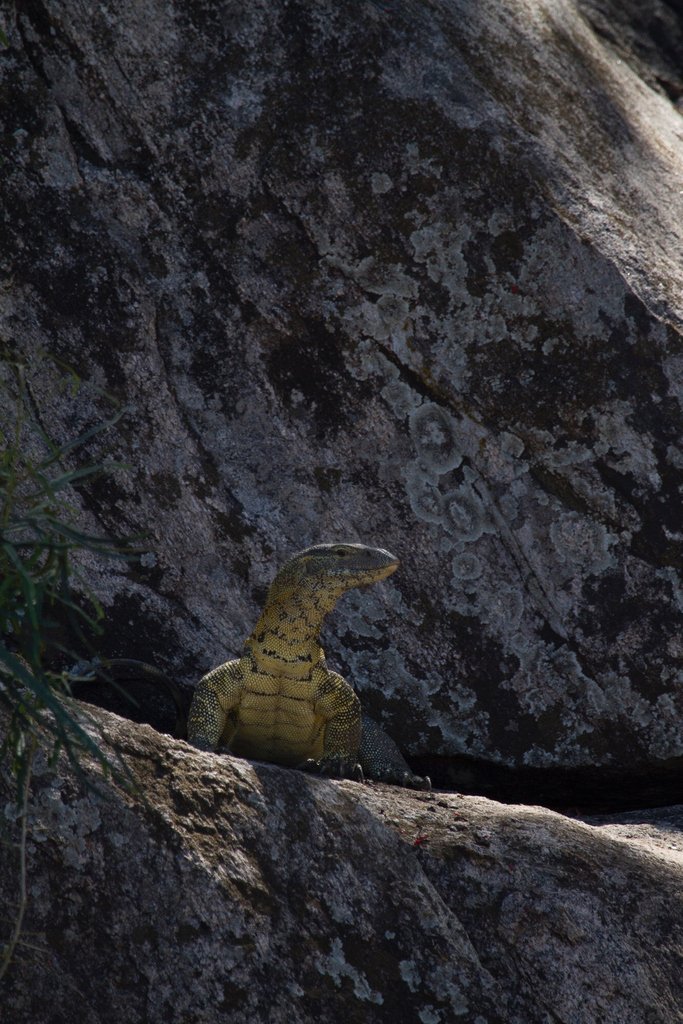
(336, 702)
(217, 695)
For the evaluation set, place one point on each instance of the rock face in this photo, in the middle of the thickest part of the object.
(246, 892)
(407, 273)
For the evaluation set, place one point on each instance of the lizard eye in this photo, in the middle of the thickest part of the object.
(341, 552)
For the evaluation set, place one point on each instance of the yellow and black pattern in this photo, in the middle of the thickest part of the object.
(280, 702)
(214, 707)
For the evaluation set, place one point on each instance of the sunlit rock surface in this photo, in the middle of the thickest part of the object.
(232, 891)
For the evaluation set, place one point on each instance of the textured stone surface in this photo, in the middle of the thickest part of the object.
(409, 276)
(246, 892)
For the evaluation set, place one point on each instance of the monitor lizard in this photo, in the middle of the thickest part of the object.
(280, 702)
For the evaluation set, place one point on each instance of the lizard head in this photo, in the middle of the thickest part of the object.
(339, 566)
(305, 589)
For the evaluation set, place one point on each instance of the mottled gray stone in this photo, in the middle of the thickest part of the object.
(408, 276)
(236, 891)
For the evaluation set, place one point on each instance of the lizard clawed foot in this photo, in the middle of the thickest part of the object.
(417, 782)
(395, 777)
(334, 768)
(201, 743)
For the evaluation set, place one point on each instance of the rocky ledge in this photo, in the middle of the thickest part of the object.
(225, 890)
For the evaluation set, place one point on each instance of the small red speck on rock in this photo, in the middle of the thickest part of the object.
(514, 289)
(420, 840)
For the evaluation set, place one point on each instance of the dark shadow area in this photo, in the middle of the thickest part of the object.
(139, 700)
(650, 36)
(585, 790)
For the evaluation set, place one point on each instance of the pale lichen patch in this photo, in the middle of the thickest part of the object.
(337, 967)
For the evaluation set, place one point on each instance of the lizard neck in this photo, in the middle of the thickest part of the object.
(286, 639)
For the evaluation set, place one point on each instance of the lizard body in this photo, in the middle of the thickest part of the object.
(280, 702)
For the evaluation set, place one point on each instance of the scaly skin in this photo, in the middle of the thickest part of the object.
(280, 702)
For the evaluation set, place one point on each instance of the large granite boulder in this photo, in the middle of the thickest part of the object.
(401, 272)
(231, 891)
